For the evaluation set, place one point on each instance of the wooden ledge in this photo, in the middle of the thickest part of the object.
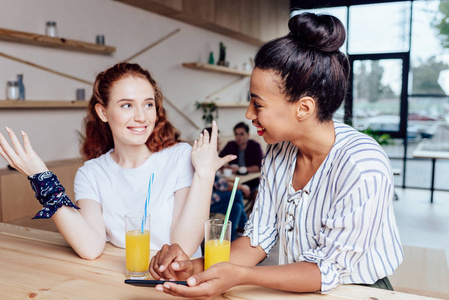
(14, 104)
(216, 69)
(56, 42)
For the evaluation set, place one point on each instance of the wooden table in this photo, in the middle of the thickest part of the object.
(434, 152)
(40, 264)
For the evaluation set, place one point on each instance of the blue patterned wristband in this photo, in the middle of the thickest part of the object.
(50, 193)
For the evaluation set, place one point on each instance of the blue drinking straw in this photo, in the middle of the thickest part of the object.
(147, 201)
(231, 202)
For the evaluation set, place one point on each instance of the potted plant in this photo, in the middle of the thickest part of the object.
(210, 110)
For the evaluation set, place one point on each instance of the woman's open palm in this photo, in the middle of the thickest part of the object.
(23, 159)
(205, 157)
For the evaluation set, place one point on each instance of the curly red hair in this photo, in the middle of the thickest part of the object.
(98, 135)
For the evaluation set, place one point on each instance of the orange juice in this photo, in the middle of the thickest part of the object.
(216, 252)
(137, 251)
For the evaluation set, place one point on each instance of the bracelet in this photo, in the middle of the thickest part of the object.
(50, 193)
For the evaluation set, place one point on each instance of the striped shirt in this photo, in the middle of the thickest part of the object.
(342, 220)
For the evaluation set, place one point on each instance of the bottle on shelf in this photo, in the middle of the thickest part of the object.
(222, 58)
(21, 87)
(211, 58)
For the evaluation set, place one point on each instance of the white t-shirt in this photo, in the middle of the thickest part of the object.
(120, 190)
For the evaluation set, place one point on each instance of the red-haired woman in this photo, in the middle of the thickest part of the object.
(128, 138)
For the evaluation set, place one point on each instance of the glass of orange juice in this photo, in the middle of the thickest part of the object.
(137, 245)
(215, 251)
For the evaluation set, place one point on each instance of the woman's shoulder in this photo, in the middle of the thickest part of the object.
(184, 145)
(181, 149)
(178, 147)
(350, 138)
(102, 160)
(360, 151)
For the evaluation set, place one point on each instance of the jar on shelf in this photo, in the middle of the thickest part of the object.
(50, 29)
(12, 90)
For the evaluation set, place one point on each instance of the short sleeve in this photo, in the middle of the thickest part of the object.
(83, 186)
(184, 167)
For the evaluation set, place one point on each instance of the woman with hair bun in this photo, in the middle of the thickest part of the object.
(326, 189)
(127, 139)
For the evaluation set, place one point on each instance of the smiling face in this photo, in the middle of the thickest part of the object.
(131, 111)
(271, 114)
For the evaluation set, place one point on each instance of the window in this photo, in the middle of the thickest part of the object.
(379, 28)
(376, 94)
(429, 54)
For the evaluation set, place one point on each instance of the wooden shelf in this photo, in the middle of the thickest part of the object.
(14, 104)
(232, 105)
(216, 69)
(55, 42)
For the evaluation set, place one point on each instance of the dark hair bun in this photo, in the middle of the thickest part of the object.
(323, 32)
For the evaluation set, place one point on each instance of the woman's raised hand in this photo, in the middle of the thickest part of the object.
(23, 159)
(205, 157)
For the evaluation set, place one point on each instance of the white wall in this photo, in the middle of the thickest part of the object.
(54, 132)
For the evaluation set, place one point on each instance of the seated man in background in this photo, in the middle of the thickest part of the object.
(249, 155)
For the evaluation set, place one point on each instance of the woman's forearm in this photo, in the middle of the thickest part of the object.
(87, 242)
(188, 229)
(242, 253)
(82, 226)
(295, 277)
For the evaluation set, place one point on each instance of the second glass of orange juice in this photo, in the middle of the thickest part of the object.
(137, 245)
(215, 251)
